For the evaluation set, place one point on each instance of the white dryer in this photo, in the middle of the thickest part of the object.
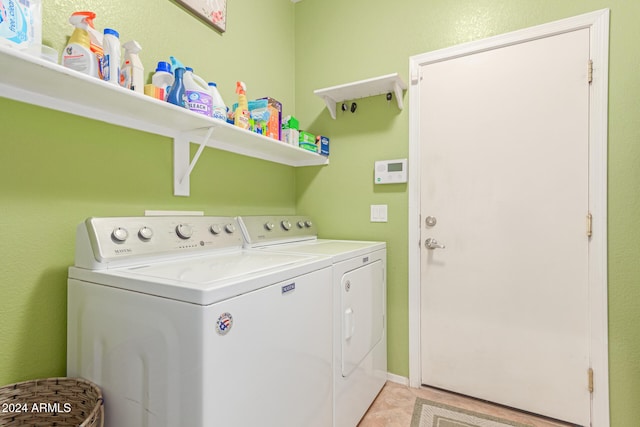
(359, 301)
(181, 326)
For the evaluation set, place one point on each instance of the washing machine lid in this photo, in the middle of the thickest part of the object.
(338, 250)
(205, 280)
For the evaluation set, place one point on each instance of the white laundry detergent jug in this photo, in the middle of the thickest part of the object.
(197, 93)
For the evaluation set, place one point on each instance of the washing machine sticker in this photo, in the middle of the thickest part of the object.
(224, 324)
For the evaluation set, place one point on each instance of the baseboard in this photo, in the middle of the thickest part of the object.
(397, 379)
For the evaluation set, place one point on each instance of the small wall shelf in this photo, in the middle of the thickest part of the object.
(29, 79)
(362, 89)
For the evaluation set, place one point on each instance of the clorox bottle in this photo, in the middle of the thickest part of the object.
(197, 93)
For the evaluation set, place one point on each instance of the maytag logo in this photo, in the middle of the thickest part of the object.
(122, 251)
(288, 288)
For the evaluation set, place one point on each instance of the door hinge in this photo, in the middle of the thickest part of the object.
(590, 379)
(590, 72)
(589, 224)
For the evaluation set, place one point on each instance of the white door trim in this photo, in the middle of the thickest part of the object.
(598, 23)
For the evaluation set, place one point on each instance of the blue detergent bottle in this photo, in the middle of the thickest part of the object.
(177, 94)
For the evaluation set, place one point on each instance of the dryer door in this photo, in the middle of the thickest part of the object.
(362, 303)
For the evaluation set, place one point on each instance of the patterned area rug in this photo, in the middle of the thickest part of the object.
(427, 413)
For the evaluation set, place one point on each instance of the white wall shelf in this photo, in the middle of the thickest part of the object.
(35, 81)
(362, 89)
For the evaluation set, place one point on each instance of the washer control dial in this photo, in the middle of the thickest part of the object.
(300, 224)
(145, 233)
(119, 234)
(286, 224)
(269, 225)
(215, 229)
(308, 224)
(184, 231)
(230, 228)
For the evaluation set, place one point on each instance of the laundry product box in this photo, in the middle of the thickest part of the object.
(322, 142)
(274, 125)
(291, 136)
(307, 141)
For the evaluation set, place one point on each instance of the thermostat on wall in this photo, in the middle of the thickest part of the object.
(391, 171)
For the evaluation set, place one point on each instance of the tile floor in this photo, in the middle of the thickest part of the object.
(394, 407)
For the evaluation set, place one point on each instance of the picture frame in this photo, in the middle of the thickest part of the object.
(213, 12)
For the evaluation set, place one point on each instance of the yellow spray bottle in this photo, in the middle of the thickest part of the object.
(241, 115)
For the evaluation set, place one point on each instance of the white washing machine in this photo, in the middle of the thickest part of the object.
(359, 314)
(181, 326)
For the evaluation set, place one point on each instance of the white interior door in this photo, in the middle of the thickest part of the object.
(504, 172)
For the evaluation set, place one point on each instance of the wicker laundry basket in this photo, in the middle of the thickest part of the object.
(52, 402)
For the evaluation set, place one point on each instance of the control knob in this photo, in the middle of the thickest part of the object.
(286, 225)
(145, 233)
(119, 234)
(215, 229)
(184, 231)
(300, 224)
(230, 228)
(308, 223)
(269, 225)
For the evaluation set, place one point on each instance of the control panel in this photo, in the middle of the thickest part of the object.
(270, 229)
(120, 237)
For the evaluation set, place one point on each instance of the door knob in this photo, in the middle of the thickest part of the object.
(432, 244)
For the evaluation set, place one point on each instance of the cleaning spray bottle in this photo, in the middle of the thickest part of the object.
(131, 73)
(77, 54)
(241, 115)
(96, 39)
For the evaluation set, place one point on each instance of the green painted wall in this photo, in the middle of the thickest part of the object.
(341, 41)
(57, 169)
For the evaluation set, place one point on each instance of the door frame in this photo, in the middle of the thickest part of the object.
(598, 23)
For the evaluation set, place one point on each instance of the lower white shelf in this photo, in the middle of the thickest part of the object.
(33, 80)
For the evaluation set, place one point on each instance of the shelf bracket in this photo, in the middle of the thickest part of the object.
(397, 90)
(331, 106)
(182, 166)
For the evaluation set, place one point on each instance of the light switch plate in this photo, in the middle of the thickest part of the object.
(378, 213)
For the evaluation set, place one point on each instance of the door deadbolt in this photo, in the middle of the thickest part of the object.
(431, 221)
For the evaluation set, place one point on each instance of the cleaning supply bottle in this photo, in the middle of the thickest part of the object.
(241, 115)
(197, 93)
(163, 78)
(218, 107)
(95, 38)
(111, 63)
(177, 94)
(77, 54)
(131, 74)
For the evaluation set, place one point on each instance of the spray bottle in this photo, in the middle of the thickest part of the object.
(96, 39)
(77, 54)
(131, 73)
(241, 115)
